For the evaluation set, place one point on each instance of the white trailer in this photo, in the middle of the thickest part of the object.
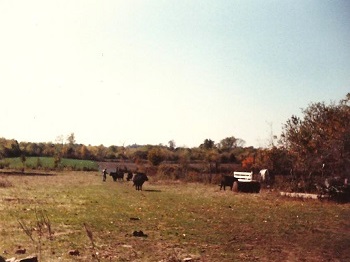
(245, 182)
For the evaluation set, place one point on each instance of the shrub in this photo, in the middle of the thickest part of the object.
(155, 156)
(166, 171)
(4, 164)
(39, 164)
(194, 176)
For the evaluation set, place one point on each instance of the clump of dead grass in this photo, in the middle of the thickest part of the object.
(4, 183)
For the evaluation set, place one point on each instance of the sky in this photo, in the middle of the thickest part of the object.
(121, 72)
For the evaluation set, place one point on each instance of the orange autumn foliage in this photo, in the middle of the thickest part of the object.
(248, 162)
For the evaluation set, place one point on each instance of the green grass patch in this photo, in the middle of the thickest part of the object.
(48, 163)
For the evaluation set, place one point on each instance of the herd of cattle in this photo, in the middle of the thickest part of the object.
(137, 178)
(242, 180)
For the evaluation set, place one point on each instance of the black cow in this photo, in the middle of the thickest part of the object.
(139, 179)
(227, 181)
(118, 174)
(129, 176)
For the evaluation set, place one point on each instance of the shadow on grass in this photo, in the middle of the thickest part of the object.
(152, 190)
(25, 173)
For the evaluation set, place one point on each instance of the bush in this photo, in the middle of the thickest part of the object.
(4, 164)
(173, 172)
(155, 156)
(193, 176)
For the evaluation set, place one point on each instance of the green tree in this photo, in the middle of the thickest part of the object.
(207, 144)
(155, 156)
(321, 137)
(9, 148)
(228, 143)
(172, 145)
(71, 139)
(276, 159)
(23, 160)
(57, 160)
(84, 152)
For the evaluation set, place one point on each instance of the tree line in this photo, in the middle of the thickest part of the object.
(314, 144)
(229, 150)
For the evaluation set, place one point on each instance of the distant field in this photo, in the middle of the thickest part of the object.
(48, 163)
(178, 220)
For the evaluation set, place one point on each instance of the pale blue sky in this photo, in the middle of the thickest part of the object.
(146, 72)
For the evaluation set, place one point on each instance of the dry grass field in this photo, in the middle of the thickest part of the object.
(54, 214)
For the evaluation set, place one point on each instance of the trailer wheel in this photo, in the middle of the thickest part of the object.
(235, 186)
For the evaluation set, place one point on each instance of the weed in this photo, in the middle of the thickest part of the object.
(42, 227)
(90, 236)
